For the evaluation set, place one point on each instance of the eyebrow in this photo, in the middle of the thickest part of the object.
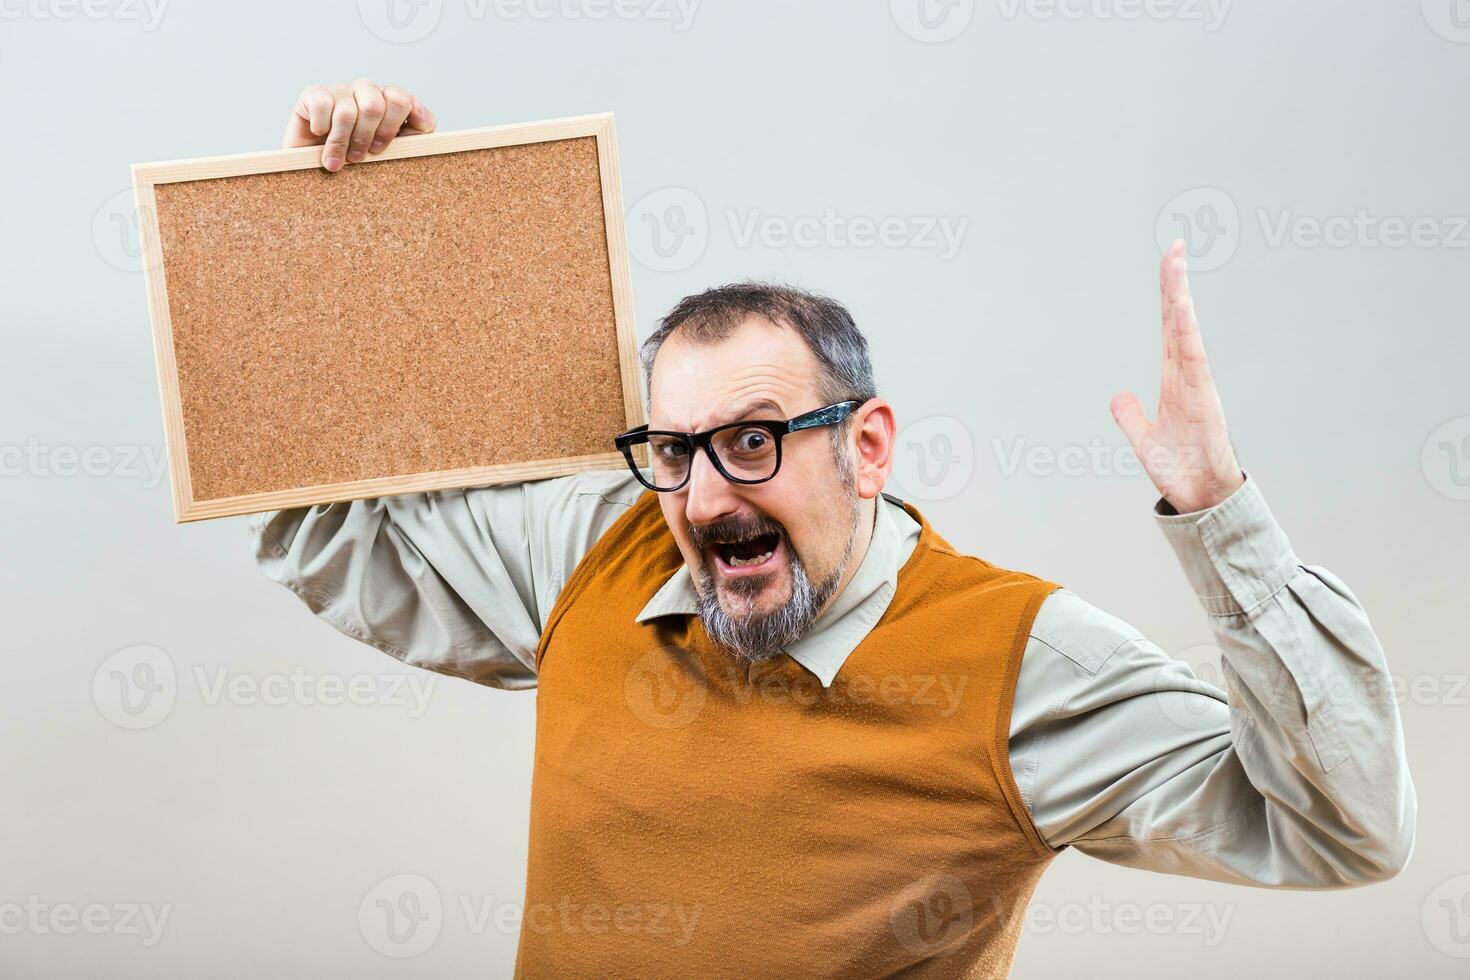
(759, 405)
(750, 408)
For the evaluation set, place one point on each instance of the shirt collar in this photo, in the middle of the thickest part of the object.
(841, 627)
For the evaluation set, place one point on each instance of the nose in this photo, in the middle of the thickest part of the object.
(710, 495)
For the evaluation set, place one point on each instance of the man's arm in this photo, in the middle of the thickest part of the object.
(455, 581)
(458, 581)
(1297, 778)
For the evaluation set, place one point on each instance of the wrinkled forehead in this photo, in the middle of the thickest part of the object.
(761, 370)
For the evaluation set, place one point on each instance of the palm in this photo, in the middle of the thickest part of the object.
(1186, 450)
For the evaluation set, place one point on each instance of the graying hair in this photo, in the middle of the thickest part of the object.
(844, 370)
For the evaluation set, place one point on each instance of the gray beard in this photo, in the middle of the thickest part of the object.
(756, 637)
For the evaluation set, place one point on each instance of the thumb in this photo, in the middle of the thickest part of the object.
(1128, 413)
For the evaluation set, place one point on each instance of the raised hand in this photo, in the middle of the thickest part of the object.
(1186, 450)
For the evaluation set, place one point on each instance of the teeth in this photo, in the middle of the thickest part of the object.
(738, 562)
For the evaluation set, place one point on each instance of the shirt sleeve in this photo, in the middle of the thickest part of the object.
(1289, 773)
(457, 581)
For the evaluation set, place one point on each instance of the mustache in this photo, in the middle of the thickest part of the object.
(733, 530)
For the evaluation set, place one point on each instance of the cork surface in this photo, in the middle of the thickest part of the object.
(398, 317)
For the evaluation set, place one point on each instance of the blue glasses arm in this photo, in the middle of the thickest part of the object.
(822, 416)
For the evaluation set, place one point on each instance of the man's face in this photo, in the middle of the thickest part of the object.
(810, 513)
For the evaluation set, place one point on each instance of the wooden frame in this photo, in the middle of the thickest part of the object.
(147, 175)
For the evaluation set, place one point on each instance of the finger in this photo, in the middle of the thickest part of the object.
(1193, 364)
(1166, 305)
(1129, 414)
(420, 120)
(398, 104)
(370, 109)
(344, 117)
(311, 119)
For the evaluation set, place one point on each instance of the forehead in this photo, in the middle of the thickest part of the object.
(760, 366)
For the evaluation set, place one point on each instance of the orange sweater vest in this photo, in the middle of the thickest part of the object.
(695, 816)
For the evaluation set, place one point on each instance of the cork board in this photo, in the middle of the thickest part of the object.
(453, 312)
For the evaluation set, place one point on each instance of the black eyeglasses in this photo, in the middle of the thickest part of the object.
(743, 452)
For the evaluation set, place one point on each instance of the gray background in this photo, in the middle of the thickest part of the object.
(1071, 142)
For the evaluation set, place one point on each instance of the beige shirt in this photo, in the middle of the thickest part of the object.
(1295, 778)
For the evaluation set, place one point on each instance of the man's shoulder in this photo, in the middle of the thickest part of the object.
(592, 499)
(1071, 626)
(612, 486)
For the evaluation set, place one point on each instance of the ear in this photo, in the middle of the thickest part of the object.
(873, 434)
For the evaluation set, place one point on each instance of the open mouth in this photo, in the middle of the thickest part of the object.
(748, 555)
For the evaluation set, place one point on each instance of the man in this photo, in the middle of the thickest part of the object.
(774, 701)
